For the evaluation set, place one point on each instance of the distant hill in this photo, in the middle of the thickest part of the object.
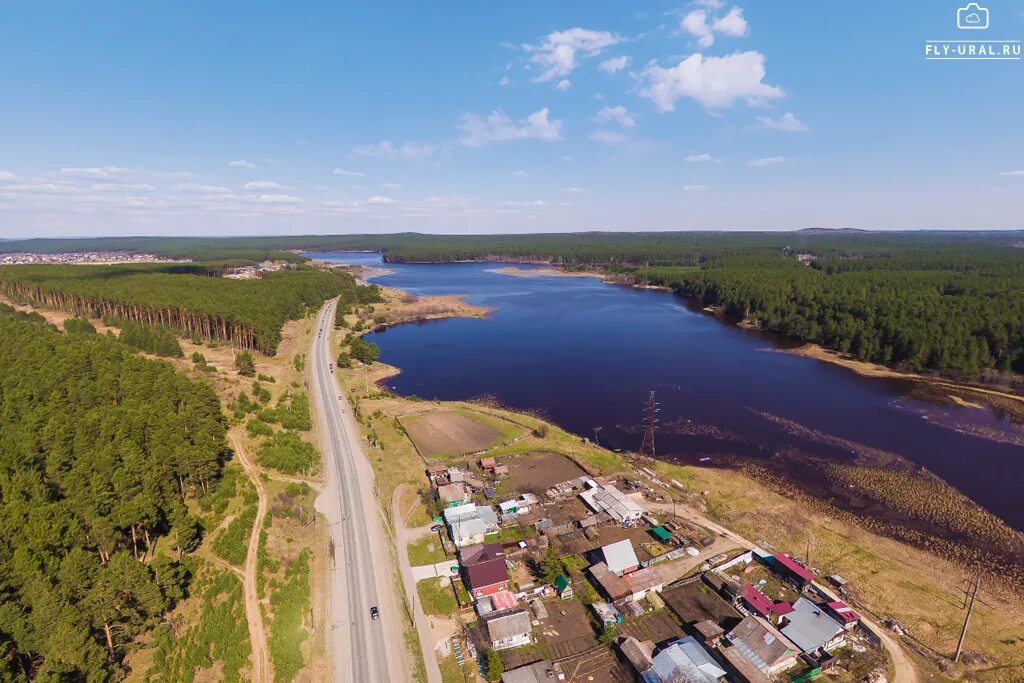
(834, 231)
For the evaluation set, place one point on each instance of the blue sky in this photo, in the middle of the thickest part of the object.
(256, 118)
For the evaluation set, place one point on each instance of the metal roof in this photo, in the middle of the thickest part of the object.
(792, 565)
(809, 626)
(503, 625)
(684, 661)
(620, 556)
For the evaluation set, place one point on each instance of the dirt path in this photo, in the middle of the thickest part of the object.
(261, 672)
(403, 535)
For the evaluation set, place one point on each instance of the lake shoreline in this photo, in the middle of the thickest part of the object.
(829, 521)
(807, 350)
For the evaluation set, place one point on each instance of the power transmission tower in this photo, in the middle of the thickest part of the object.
(647, 445)
(967, 619)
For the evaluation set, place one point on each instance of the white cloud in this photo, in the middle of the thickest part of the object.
(388, 150)
(498, 127)
(378, 200)
(573, 190)
(1012, 173)
(732, 24)
(40, 188)
(767, 161)
(241, 163)
(714, 81)
(614, 65)
(556, 54)
(535, 202)
(7, 175)
(520, 174)
(700, 157)
(265, 185)
(563, 84)
(504, 81)
(391, 186)
(617, 114)
(122, 187)
(787, 123)
(697, 24)
(695, 188)
(710, 4)
(94, 172)
(276, 199)
(197, 188)
(346, 172)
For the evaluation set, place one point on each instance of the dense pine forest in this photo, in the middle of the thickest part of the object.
(100, 450)
(959, 313)
(190, 299)
(934, 301)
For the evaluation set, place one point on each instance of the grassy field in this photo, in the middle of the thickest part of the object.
(451, 672)
(426, 551)
(436, 596)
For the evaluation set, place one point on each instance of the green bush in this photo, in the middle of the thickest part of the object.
(286, 453)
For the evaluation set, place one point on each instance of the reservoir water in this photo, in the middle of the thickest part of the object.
(587, 354)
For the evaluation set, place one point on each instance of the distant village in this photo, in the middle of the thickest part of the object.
(635, 592)
(84, 257)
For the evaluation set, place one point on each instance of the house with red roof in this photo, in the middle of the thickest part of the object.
(484, 569)
(842, 613)
(792, 571)
(760, 604)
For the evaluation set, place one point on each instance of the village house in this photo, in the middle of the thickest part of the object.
(620, 507)
(507, 628)
(629, 587)
(812, 629)
(842, 613)
(790, 570)
(453, 493)
(756, 642)
(640, 654)
(683, 660)
(760, 604)
(620, 558)
(470, 523)
(484, 568)
(492, 467)
(495, 602)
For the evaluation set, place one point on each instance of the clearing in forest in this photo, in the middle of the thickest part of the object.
(444, 433)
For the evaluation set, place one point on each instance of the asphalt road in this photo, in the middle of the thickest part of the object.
(362, 649)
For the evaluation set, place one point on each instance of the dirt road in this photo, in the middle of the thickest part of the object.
(261, 672)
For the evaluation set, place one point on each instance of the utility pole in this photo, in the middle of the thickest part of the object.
(647, 445)
(967, 619)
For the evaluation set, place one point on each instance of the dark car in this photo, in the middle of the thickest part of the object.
(374, 613)
(436, 527)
